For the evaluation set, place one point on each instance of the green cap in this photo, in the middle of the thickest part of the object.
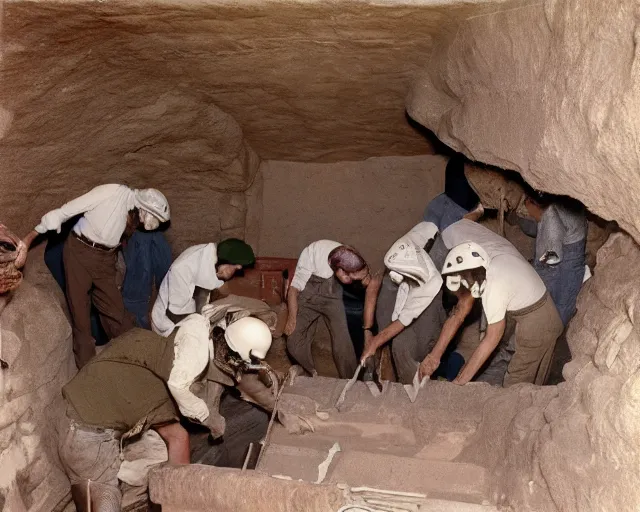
(235, 252)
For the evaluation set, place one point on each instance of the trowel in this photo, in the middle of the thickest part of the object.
(414, 388)
(348, 386)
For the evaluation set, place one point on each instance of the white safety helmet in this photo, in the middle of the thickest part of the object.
(248, 337)
(465, 256)
(407, 260)
(154, 202)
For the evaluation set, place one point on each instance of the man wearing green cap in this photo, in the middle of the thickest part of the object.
(206, 266)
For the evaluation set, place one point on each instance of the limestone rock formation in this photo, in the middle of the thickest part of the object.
(13, 254)
(35, 341)
(82, 110)
(551, 90)
(574, 447)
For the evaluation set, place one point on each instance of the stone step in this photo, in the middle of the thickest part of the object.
(446, 480)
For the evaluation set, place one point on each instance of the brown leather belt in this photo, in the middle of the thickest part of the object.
(94, 245)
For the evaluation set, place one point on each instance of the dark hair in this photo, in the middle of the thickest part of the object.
(473, 275)
(346, 258)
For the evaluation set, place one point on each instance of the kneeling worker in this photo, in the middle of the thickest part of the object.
(316, 291)
(410, 302)
(483, 265)
(206, 266)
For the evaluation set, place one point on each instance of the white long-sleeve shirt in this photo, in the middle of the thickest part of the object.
(422, 280)
(196, 266)
(314, 261)
(105, 210)
(192, 351)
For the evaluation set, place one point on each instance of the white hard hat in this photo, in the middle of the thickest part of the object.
(464, 257)
(249, 336)
(406, 259)
(153, 201)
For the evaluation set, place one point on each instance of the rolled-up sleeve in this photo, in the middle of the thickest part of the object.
(304, 270)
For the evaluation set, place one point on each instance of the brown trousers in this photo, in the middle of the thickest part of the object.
(322, 298)
(90, 274)
(538, 327)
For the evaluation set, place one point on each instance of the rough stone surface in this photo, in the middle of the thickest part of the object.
(86, 111)
(550, 89)
(35, 340)
(367, 204)
(206, 488)
(572, 447)
(132, 92)
(13, 255)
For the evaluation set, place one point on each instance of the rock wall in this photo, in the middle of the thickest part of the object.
(367, 204)
(550, 89)
(573, 447)
(79, 109)
(35, 341)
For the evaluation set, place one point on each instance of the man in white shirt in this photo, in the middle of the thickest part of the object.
(316, 291)
(410, 302)
(89, 255)
(205, 266)
(483, 265)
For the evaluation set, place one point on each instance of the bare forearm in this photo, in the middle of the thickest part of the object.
(370, 301)
(482, 353)
(449, 330)
(30, 237)
(388, 333)
(292, 302)
(177, 441)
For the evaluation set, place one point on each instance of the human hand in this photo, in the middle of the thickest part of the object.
(428, 366)
(290, 326)
(462, 377)
(370, 347)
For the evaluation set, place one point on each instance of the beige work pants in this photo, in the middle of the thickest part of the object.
(538, 327)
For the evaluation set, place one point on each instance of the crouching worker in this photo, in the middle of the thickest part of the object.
(200, 268)
(240, 343)
(316, 291)
(492, 270)
(410, 302)
(139, 382)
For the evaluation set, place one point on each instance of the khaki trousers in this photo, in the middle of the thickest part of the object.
(322, 298)
(90, 274)
(537, 328)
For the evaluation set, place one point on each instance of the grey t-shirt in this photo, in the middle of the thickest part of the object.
(559, 226)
